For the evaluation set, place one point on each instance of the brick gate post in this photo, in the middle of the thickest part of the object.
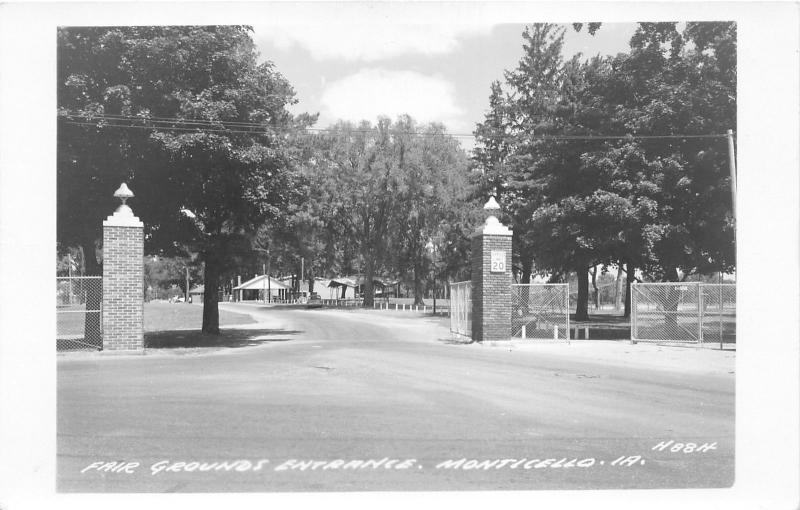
(123, 277)
(491, 278)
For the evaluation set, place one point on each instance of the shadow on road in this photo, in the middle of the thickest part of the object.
(455, 340)
(232, 338)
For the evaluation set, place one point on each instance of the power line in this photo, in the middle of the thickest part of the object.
(174, 120)
(171, 128)
(621, 137)
(214, 128)
(219, 126)
(215, 123)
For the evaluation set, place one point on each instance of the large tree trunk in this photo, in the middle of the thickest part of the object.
(92, 326)
(527, 266)
(370, 273)
(211, 294)
(618, 289)
(418, 290)
(582, 308)
(630, 272)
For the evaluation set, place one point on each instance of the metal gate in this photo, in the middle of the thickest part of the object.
(540, 311)
(461, 309)
(79, 313)
(684, 313)
(719, 314)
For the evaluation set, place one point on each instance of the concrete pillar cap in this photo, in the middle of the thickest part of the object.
(491, 205)
(123, 216)
(492, 225)
(123, 192)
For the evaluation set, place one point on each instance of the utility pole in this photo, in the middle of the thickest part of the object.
(269, 280)
(732, 167)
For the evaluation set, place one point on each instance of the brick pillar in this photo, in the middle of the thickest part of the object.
(123, 277)
(491, 279)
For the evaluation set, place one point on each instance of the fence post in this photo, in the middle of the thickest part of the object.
(123, 273)
(634, 331)
(720, 317)
(700, 313)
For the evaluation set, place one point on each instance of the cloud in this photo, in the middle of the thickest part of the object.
(370, 42)
(372, 92)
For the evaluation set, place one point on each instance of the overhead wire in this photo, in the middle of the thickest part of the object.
(219, 126)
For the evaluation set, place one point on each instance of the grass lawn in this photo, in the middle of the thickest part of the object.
(159, 316)
(177, 326)
(166, 325)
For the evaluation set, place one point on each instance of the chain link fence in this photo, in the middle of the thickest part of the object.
(540, 311)
(79, 312)
(684, 313)
(461, 309)
(719, 315)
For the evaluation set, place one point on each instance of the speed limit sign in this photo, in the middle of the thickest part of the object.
(498, 262)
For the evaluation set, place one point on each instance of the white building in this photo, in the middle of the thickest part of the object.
(322, 286)
(257, 288)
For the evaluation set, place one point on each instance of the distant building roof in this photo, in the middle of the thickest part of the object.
(260, 283)
(358, 280)
(200, 289)
(288, 280)
(342, 282)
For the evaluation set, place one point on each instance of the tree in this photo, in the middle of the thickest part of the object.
(374, 196)
(503, 147)
(685, 84)
(494, 142)
(550, 186)
(191, 121)
(596, 170)
(432, 189)
(360, 189)
(164, 273)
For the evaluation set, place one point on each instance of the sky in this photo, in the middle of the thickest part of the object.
(433, 72)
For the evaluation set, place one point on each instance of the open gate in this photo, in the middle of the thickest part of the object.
(540, 311)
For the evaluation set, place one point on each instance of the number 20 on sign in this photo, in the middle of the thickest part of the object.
(498, 262)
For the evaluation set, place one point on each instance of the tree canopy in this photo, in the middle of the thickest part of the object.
(374, 196)
(619, 159)
(191, 121)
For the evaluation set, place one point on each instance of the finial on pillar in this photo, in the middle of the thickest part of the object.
(491, 205)
(123, 216)
(123, 193)
(492, 224)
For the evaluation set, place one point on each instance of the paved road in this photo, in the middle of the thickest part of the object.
(339, 401)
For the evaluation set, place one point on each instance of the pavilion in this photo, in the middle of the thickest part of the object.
(257, 288)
